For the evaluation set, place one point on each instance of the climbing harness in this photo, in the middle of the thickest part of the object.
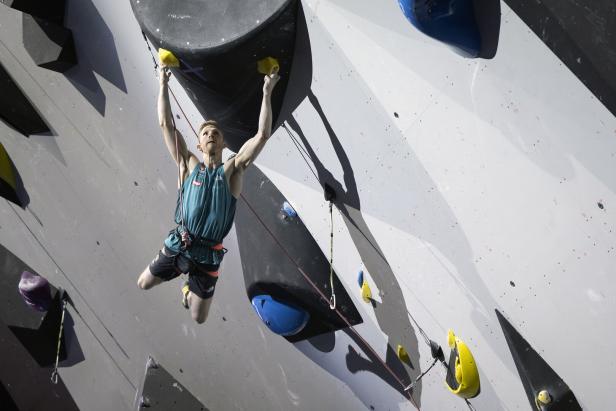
(54, 374)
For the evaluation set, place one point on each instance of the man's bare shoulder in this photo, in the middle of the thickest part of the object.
(229, 166)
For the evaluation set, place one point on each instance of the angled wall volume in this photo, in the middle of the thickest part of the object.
(28, 385)
(267, 268)
(535, 373)
(161, 391)
(219, 43)
(15, 108)
(50, 45)
(36, 331)
(52, 10)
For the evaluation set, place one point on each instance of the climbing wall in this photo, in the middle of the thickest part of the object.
(463, 186)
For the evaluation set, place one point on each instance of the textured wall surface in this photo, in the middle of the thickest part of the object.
(463, 186)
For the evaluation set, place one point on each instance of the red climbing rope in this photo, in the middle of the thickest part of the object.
(324, 297)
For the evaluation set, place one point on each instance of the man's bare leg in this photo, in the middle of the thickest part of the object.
(147, 280)
(199, 308)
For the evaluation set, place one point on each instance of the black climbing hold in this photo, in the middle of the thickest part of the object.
(511, 283)
(329, 192)
(535, 373)
(600, 204)
(15, 108)
(50, 45)
(98, 243)
(224, 319)
(396, 115)
(135, 183)
(436, 351)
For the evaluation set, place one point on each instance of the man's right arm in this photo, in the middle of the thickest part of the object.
(179, 153)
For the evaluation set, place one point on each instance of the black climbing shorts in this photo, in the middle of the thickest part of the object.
(202, 278)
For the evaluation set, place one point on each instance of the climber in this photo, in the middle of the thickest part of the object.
(207, 195)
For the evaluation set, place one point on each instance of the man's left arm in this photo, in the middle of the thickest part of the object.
(251, 149)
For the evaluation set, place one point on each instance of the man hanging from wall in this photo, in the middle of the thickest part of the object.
(206, 202)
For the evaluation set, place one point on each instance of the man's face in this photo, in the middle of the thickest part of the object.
(211, 140)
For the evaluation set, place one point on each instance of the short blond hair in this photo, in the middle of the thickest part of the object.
(209, 123)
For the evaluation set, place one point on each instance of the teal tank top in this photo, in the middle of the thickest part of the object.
(209, 209)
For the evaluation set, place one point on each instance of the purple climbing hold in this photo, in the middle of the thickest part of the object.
(35, 291)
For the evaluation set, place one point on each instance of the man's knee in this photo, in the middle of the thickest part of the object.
(142, 282)
(199, 317)
(200, 310)
(146, 281)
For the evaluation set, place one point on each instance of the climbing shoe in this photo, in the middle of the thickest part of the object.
(185, 292)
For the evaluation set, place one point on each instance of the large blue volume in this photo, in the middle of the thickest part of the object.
(449, 21)
(282, 318)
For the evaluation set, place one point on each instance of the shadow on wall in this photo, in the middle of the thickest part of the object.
(435, 225)
(392, 313)
(30, 388)
(96, 51)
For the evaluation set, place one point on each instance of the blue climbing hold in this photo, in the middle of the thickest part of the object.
(452, 22)
(288, 210)
(282, 318)
(360, 278)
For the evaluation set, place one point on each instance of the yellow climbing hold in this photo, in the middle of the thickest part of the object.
(167, 59)
(8, 179)
(451, 339)
(6, 169)
(366, 294)
(543, 398)
(403, 355)
(268, 65)
(465, 371)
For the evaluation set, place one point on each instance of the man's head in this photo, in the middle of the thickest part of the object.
(211, 139)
